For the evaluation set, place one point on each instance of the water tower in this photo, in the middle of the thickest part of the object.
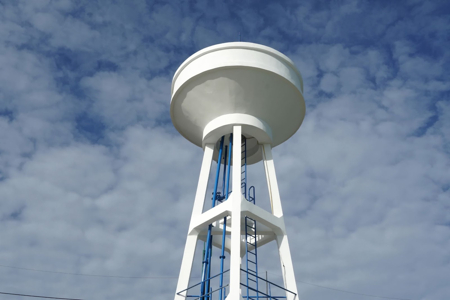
(237, 101)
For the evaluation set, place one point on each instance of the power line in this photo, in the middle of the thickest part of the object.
(175, 277)
(36, 296)
(90, 275)
(350, 292)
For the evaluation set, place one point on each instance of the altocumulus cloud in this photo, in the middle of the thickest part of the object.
(94, 179)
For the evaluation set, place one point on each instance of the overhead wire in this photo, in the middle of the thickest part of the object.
(350, 292)
(346, 291)
(36, 296)
(90, 275)
(175, 277)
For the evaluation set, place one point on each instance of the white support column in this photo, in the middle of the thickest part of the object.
(203, 181)
(186, 266)
(235, 257)
(272, 183)
(287, 267)
(191, 242)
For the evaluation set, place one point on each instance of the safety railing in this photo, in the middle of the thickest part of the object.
(272, 292)
(269, 293)
(206, 296)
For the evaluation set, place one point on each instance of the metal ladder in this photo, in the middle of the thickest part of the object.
(244, 167)
(251, 258)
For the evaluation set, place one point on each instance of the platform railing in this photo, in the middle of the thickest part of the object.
(262, 295)
(206, 295)
(258, 294)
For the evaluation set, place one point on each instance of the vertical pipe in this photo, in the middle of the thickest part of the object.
(217, 172)
(222, 258)
(270, 291)
(227, 187)
(246, 255)
(208, 282)
(209, 237)
(205, 264)
(224, 170)
(230, 147)
(245, 166)
(256, 260)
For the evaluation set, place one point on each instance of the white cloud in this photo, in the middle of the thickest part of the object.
(86, 170)
(123, 100)
(365, 181)
(329, 83)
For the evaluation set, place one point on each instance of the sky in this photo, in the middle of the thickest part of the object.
(95, 180)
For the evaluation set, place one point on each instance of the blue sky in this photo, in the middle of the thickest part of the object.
(94, 179)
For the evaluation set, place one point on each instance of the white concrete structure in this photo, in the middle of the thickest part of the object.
(249, 90)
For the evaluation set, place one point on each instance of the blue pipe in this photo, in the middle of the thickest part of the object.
(206, 259)
(245, 167)
(217, 172)
(230, 149)
(246, 255)
(224, 170)
(205, 263)
(222, 257)
(208, 282)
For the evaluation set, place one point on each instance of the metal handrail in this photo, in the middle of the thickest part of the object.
(200, 283)
(269, 282)
(266, 295)
(211, 292)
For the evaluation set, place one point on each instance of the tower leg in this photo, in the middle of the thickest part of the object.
(235, 255)
(191, 242)
(186, 265)
(287, 267)
(272, 184)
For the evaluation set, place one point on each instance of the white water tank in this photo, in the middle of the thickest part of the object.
(238, 83)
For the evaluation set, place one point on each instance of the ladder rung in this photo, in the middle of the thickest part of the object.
(251, 252)
(252, 280)
(252, 272)
(251, 261)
